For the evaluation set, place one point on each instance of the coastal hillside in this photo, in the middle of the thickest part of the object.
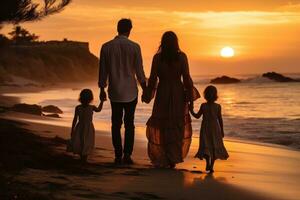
(48, 62)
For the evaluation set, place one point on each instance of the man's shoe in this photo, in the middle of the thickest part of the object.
(127, 160)
(118, 161)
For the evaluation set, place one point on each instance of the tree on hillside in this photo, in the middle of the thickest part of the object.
(21, 35)
(16, 11)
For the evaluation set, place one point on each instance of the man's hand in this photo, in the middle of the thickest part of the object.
(144, 87)
(102, 95)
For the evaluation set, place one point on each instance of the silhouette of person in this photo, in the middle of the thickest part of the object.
(120, 65)
(169, 129)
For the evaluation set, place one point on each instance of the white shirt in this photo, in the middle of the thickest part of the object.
(121, 63)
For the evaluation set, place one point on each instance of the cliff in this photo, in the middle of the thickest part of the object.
(48, 62)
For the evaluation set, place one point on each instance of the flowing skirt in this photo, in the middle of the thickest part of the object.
(83, 139)
(169, 129)
(211, 142)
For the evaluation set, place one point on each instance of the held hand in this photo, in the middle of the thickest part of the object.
(145, 97)
(102, 95)
(144, 100)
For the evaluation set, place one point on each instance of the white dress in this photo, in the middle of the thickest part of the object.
(83, 138)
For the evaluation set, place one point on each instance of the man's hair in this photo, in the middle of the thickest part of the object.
(124, 26)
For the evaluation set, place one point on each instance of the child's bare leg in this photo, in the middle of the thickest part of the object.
(212, 165)
(207, 159)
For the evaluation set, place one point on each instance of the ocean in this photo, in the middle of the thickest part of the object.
(257, 109)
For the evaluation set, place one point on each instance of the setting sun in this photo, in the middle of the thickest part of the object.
(227, 52)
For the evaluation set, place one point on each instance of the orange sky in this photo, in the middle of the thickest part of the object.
(265, 34)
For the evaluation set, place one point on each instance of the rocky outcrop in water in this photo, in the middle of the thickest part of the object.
(225, 80)
(52, 109)
(278, 77)
(33, 109)
(28, 109)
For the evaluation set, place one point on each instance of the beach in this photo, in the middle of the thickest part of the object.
(234, 65)
(35, 164)
(253, 171)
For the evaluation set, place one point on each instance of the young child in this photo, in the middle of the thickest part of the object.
(83, 132)
(211, 134)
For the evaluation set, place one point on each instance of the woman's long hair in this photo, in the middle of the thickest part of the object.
(169, 47)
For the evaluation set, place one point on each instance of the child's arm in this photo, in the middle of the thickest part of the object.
(221, 120)
(74, 120)
(99, 108)
(198, 114)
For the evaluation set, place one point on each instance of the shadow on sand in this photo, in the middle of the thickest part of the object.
(32, 168)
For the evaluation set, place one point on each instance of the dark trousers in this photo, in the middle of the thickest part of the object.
(120, 109)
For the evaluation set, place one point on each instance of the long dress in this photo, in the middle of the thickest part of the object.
(169, 129)
(83, 138)
(211, 137)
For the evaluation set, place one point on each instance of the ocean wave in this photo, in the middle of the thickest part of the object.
(258, 79)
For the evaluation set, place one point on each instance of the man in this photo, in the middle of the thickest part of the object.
(120, 64)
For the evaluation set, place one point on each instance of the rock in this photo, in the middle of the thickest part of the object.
(54, 115)
(225, 80)
(278, 77)
(52, 109)
(27, 108)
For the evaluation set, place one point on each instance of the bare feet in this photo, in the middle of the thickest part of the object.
(172, 165)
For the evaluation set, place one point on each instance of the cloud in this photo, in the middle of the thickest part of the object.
(239, 18)
(291, 7)
(160, 19)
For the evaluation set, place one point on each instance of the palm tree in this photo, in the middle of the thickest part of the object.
(21, 35)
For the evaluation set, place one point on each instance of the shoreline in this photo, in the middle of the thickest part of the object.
(32, 95)
(251, 172)
(61, 122)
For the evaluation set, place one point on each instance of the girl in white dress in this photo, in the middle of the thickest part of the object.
(83, 131)
(212, 133)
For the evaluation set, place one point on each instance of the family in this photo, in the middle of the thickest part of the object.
(169, 129)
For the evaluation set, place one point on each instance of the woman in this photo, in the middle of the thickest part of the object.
(169, 129)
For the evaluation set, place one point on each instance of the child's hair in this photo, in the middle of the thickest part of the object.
(211, 93)
(86, 96)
